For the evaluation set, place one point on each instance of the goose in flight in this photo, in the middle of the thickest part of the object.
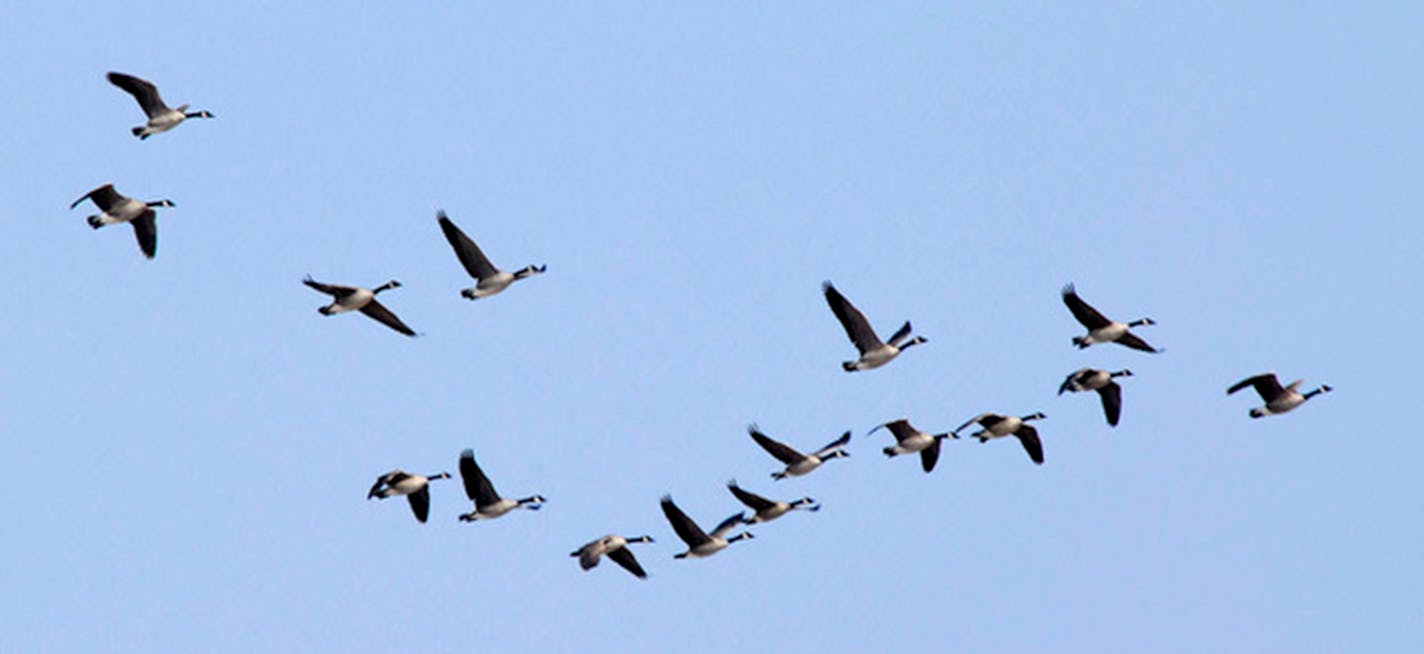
(768, 510)
(488, 504)
(909, 440)
(699, 543)
(355, 298)
(873, 352)
(1278, 399)
(798, 464)
(114, 207)
(488, 279)
(998, 426)
(161, 118)
(616, 547)
(416, 488)
(1100, 328)
(1089, 379)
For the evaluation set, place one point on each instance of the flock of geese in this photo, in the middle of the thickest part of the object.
(872, 352)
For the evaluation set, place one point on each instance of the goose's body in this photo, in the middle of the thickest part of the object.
(489, 280)
(1101, 329)
(488, 504)
(416, 488)
(798, 464)
(998, 426)
(1278, 399)
(616, 547)
(115, 207)
(699, 543)
(1090, 379)
(873, 351)
(909, 440)
(356, 298)
(767, 510)
(161, 117)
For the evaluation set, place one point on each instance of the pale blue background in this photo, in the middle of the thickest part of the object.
(188, 443)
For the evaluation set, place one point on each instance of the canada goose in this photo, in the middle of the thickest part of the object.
(1278, 400)
(160, 117)
(909, 440)
(415, 487)
(798, 464)
(1100, 328)
(873, 352)
(117, 208)
(488, 503)
(489, 279)
(699, 543)
(1089, 379)
(768, 510)
(616, 547)
(996, 426)
(355, 298)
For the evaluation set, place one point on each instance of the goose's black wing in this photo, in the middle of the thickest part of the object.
(1028, 436)
(142, 90)
(839, 442)
(334, 290)
(474, 260)
(1133, 341)
(477, 486)
(1088, 316)
(104, 197)
(383, 315)
(420, 503)
(1112, 402)
(686, 529)
(929, 456)
(854, 322)
(1266, 385)
(624, 557)
(756, 502)
(146, 231)
(900, 428)
(783, 452)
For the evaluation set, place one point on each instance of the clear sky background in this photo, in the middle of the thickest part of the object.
(188, 444)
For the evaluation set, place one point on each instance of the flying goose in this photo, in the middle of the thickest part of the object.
(488, 503)
(160, 117)
(616, 547)
(798, 464)
(117, 208)
(1278, 399)
(909, 440)
(415, 487)
(997, 426)
(355, 298)
(873, 352)
(1100, 328)
(699, 543)
(1089, 379)
(768, 510)
(489, 279)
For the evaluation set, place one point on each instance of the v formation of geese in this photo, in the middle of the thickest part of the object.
(873, 353)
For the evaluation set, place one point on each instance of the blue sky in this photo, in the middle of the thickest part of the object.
(189, 443)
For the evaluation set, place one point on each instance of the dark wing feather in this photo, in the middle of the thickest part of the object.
(1112, 402)
(900, 334)
(929, 456)
(756, 502)
(624, 557)
(420, 503)
(142, 90)
(985, 420)
(686, 529)
(477, 486)
(1266, 385)
(854, 322)
(839, 442)
(104, 197)
(378, 311)
(778, 449)
(900, 428)
(146, 231)
(1131, 340)
(475, 261)
(729, 524)
(1088, 316)
(334, 290)
(380, 481)
(1028, 436)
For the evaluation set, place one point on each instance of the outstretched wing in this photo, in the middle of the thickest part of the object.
(854, 322)
(1088, 316)
(142, 90)
(1028, 436)
(778, 449)
(104, 197)
(146, 231)
(729, 524)
(900, 428)
(985, 420)
(474, 261)
(378, 311)
(756, 502)
(334, 290)
(624, 557)
(1266, 385)
(929, 456)
(686, 529)
(420, 503)
(834, 445)
(477, 486)
(1131, 340)
(1112, 402)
